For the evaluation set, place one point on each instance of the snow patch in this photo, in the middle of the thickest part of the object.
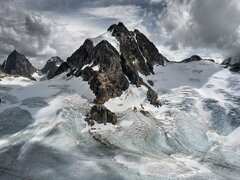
(132, 97)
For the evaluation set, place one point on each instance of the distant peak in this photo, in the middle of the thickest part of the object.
(55, 59)
(196, 57)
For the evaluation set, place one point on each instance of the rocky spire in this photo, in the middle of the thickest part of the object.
(108, 79)
(139, 52)
(81, 56)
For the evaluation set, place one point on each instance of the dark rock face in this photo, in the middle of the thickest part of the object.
(152, 97)
(18, 64)
(82, 56)
(52, 66)
(110, 81)
(149, 50)
(150, 82)
(109, 72)
(64, 67)
(192, 59)
(233, 63)
(87, 73)
(139, 53)
(101, 115)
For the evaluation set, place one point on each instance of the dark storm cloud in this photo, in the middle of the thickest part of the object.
(22, 30)
(202, 24)
(76, 4)
(35, 26)
(217, 23)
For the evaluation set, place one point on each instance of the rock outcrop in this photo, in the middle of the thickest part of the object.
(152, 97)
(51, 67)
(139, 53)
(192, 59)
(233, 63)
(109, 81)
(101, 67)
(18, 64)
(64, 67)
(101, 115)
(82, 56)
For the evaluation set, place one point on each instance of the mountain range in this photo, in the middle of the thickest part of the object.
(119, 109)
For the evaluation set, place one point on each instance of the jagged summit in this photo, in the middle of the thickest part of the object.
(110, 71)
(82, 55)
(104, 73)
(18, 64)
(137, 49)
(51, 66)
(117, 29)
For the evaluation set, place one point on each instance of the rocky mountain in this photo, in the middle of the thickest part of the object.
(120, 110)
(137, 52)
(51, 66)
(109, 71)
(233, 63)
(18, 64)
(108, 67)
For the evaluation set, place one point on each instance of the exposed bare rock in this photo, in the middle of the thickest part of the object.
(110, 80)
(233, 63)
(152, 97)
(82, 56)
(52, 66)
(149, 50)
(139, 53)
(18, 64)
(64, 67)
(109, 72)
(150, 82)
(191, 59)
(101, 115)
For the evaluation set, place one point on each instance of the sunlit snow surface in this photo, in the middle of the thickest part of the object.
(195, 134)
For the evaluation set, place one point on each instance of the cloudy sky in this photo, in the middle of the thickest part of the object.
(44, 28)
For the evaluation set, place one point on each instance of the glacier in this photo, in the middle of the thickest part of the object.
(193, 135)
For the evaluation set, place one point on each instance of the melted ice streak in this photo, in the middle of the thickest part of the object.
(194, 135)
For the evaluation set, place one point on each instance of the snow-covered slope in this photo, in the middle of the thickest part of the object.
(193, 135)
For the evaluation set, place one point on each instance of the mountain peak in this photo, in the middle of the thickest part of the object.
(18, 64)
(51, 66)
(118, 28)
(108, 70)
(15, 53)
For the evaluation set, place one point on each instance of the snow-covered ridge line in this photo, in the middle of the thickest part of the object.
(108, 37)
